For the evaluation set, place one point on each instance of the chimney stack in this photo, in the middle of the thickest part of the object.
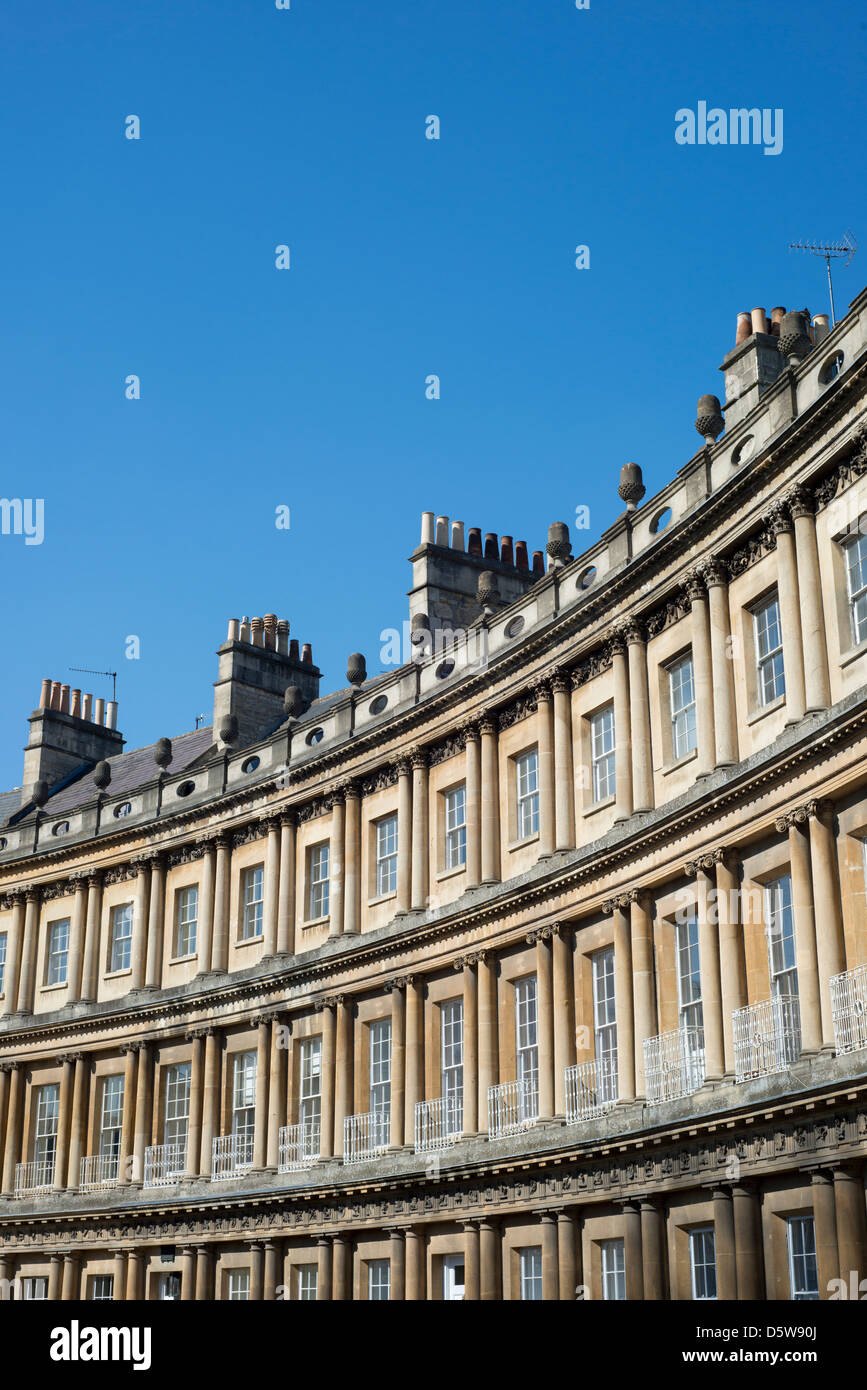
(64, 738)
(255, 667)
(445, 592)
(753, 365)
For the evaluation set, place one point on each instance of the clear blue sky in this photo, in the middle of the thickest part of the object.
(408, 257)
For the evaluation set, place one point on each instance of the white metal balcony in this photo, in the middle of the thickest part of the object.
(164, 1164)
(438, 1123)
(591, 1089)
(849, 1009)
(37, 1176)
(231, 1156)
(512, 1107)
(298, 1147)
(674, 1064)
(767, 1036)
(98, 1170)
(366, 1136)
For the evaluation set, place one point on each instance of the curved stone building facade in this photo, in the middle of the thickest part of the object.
(535, 967)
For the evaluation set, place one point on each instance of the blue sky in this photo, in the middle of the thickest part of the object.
(306, 387)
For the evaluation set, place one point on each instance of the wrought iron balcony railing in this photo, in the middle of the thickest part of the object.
(512, 1107)
(849, 1009)
(674, 1064)
(298, 1147)
(232, 1156)
(164, 1164)
(366, 1136)
(591, 1089)
(37, 1176)
(98, 1170)
(767, 1036)
(439, 1123)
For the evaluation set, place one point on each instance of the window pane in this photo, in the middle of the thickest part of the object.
(187, 923)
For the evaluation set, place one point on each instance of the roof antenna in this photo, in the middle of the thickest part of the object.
(830, 251)
(85, 670)
(200, 719)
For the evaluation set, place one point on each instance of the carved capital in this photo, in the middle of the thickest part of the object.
(800, 501)
(777, 518)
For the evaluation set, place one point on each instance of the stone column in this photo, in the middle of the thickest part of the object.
(644, 991)
(204, 1274)
(639, 703)
(414, 1266)
(211, 1097)
(134, 1262)
(749, 1256)
(397, 1266)
(414, 1086)
(623, 1006)
(489, 1259)
(473, 776)
(467, 964)
(830, 950)
(652, 1249)
(805, 929)
(419, 830)
(156, 920)
(632, 1251)
(550, 1257)
(545, 739)
(260, 1130)
(489, 1070)
(28, 952)
(14, 1118)
(341, 1010)
(326, 1125)
(14, 947)
(851, 1233)
(567, 1245)
(7, 1265)
(352, 861)
(220, 939)
(323, 1283)
(733, 979)
(286, 893)
(76, 938)
(91, 963)
(825, 1227)
(564, 800)
(564, 1013)
(140, 922)
(490, 802)
(257, 1271)
(472, 1259)
(704, 871)
(724, 1244)
(816, 684)
(277, 1088)
(205, 923)
(622, 730)
(5, 1068)
(188, 1274)
(725, 724)
(544, 1019)
(337, 868)
(61, 1155)
(196, 1038)
(404, 836)
(398, 1063)
(703, 673)
(273, 1268)
(790, 612)
(55, 1274)
(127, 1133)
(271, 895)
(143, 1110)
(342, 1268)
(78, 1127)
(71, 1279)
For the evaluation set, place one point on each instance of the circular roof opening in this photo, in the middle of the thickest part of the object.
(445, 668)
(378, 705)
(250, 764)
(743, 451)
(515, 626)
(660, 521)
(831, 368)
(315, 736)
(60, 828)
(185, 788)
(587, 577)
(123, 809)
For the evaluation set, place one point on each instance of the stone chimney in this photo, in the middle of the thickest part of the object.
(753, 364)
(257, 662)
(447, 566)
(68, 730)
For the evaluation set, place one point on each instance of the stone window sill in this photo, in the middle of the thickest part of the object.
(52, 989)
(383, 898)
(676, 766)
(118, 974)
(316, 922)
(184, 960)
(853, 654)
(522, 844)
(599, 806)
(450, 873)
(759, 714)
(249, 941)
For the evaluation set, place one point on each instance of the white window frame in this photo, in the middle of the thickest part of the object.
(613, 1269)
(527, 1039)
(318, 884)
(46, 1128)
(604, 1005)
(177, 1104)
(57, 961)
(782, 945)
(120, 957)
(527, 793)
(801, 1289)
(34, 1289)
(856, 588)
(386, 831)
(104, 1283)
(310, 1099)
(166, 1282)
(308, 1283)
(681, 694)
(3, 940)
(530, 1268)
(244, 1101)
(380, 1072)
(452, 1058)
(686, 950)
(603, 753)
(239, 1285)
(770, 661)
(187, 922)
(111, 1120)
(254, 902)
(456, 826)
(454, 1288)
(378, 1281)
(702, 1242)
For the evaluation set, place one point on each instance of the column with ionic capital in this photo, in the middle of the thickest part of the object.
(210, 1097)
(419, 830)
(488, 1056)
(619, 908)
(633, 1251)
(326, 1123)
(28, 950)
(414, 1265)
(61, 1154)
(187, 1257)
(851, 1225)
(724, 1243)
(644, 991)
(133, 1265)
(489, 1261)
(54, 1276)
(545, 740)
(352, 861)
(273, 1275)
(564, 1012)
(341, 1267)
(472, 1258)
(817, 688)
(271, 894)
(90, 966)
(564, 801)
(14, 1122)
(220, 938)
(14, 949)
(830, 950)
(716, 578)
(78, 1125)
(781, 526)
(652, 1249)
(490, 800)
(544, 1019)
(118, 1291)
(323, 1282)
(337, 868)
(76, 937)
(702, 667)
(139, 947)
(397, 1265)
(286, 891)
(749, 1257)
(825, 1229)
(156, 919)
(732, 964)
(70, 1278)
(205, 923)
(204, 1273)
(703, 870)
(622, 730)
(473, 808)
(398, 1061)
(403, 768)
(639, 708)
(570, 1263)
(467, 965)
(795, 823)
(414, 1084)
(550, 1257)
(263, 1053)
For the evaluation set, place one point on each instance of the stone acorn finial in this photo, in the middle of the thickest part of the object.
(163, 752)
(487, 591)
(293, 701)
(229, 730)
(356, 669)
(631, 487)
(559, 545)
(794, 340)
(420, 633)
(709, 418)
(102, 774)
(39, 795)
